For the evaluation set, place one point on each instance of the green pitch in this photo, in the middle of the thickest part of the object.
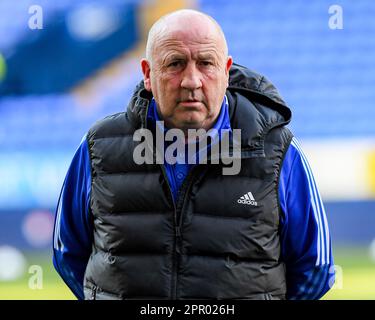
(355, 279)
(355, 275)
(52, 287)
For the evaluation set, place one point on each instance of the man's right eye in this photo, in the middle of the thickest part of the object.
(175, 64)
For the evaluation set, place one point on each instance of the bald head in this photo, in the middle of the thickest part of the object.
(187, 69)
(188, 20)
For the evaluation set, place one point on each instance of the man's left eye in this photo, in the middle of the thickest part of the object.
(205, 63)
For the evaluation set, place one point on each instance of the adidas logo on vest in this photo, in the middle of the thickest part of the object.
(247, 199)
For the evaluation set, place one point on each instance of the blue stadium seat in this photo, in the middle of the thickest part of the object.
(327, 76)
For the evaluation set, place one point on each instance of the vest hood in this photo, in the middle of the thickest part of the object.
(258, 105)
(258, 88)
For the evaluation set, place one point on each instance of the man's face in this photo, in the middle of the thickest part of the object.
(188, 77)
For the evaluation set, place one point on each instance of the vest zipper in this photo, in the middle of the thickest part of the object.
(186, 185)
(178, 231)
(177, 234)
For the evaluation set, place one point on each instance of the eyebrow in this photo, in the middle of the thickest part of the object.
(212, 58)
(176, 56)
(207, 55)
(173, 56)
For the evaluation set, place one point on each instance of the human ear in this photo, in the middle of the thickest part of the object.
(146, 70)
(228, 66)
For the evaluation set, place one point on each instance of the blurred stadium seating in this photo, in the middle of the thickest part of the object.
(61, 79)
(327, 76)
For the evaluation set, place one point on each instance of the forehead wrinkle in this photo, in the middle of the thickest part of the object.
(171, 23)
(187, 48)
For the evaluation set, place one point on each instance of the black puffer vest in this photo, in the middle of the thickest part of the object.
(208, 245)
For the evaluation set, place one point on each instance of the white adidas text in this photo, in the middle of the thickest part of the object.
(250, 202)
(248, 198)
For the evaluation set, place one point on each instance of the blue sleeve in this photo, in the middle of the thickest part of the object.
(72, 237)
(305, 239)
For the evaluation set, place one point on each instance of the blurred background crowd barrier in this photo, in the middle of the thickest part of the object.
(65, 64)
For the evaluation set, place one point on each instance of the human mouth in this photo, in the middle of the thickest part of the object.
(190, 103)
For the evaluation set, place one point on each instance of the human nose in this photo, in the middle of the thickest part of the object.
(191, 78)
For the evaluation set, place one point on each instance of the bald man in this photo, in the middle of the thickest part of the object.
(177, 225)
